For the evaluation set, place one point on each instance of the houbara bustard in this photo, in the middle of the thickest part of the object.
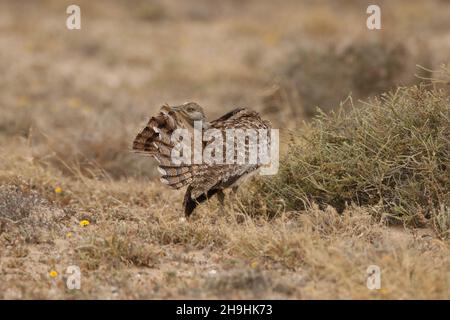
(203, 180)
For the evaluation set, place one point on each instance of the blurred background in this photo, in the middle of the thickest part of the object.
(78, 97)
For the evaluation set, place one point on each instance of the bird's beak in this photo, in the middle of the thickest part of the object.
(206, 125)
(165, 109)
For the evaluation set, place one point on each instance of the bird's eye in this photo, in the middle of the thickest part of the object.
(190, 109)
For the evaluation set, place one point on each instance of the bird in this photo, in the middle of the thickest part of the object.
(202, 180)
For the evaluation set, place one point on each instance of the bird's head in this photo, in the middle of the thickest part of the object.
(189, 112)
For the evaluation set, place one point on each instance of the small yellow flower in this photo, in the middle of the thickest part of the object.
(58, 190)
(53, 274)
(84, 223)
(254, 264)
(69, 235)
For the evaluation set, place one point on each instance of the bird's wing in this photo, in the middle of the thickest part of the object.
(155, 140)
(229, 115)
(206, 177)
(240, 118)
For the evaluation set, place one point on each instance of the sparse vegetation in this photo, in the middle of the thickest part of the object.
(71, 193)
(26, 217)
(362, 68)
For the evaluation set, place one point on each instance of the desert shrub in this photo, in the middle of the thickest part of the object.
(391, 153)
(27, 216)
(325, 76)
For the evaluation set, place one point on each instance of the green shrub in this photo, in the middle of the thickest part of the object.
(391, 153)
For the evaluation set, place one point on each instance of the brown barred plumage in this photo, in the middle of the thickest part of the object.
(203, 180)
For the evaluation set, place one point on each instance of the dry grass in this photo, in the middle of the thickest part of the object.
(71, 103)
(133, 250)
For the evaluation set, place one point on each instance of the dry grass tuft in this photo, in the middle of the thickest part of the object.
(195, 234)
(116, 251)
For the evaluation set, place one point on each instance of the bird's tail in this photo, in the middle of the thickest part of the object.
(155, 140)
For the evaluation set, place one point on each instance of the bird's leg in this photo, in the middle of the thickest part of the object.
(221, 198)
(234, 191)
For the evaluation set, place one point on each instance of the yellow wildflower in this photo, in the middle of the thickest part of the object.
(58, 190)
(53, 274)
(69, 235)
(84, 223)
(254, 264)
